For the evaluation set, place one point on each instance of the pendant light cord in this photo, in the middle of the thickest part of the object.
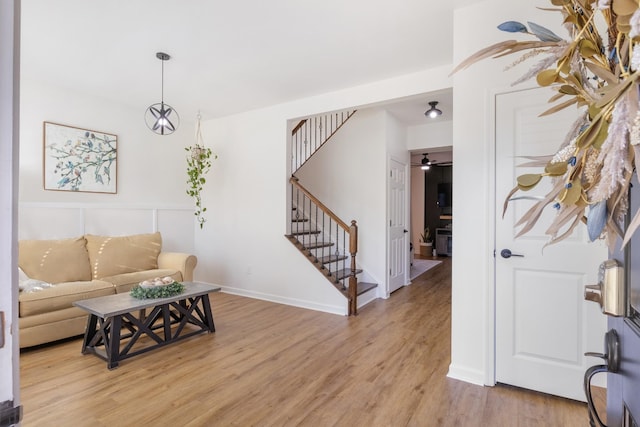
(162, 82)
(199, 138)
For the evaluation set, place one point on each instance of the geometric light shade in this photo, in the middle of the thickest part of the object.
(162, 118)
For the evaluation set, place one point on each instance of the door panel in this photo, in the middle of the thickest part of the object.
(541, 337)
(398, 246)
(543, 325)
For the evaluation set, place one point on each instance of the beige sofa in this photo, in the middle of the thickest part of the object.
(86, 267)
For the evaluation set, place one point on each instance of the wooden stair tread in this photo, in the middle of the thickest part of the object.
(345, 272)
(331, 258)
(365, 287)
(311, 245)
(316, 245)
(304, 232)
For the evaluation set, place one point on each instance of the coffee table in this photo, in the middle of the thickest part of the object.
(165, 324)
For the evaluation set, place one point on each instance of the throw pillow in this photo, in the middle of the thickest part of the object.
(33, 285)
(22, 275)
(55, 261)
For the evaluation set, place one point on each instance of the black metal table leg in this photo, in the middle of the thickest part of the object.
(166, 320)
(113, 355)
(90, 332)
(206, 305)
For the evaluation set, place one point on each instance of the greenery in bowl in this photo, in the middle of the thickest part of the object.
(165, 291)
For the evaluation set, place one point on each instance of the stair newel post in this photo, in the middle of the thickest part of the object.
(353, 281)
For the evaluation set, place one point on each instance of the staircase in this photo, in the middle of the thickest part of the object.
(327, 241)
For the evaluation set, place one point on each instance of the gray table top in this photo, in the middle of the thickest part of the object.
(112, 305)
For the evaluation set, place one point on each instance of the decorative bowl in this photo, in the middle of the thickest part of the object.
(157, 283)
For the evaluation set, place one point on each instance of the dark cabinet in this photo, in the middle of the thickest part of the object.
(443, 241)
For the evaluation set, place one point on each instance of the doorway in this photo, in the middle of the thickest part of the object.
(431, 196)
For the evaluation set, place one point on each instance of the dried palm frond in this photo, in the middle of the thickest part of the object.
(593, 166)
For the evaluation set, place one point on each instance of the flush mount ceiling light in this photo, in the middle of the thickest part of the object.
(161, 118)
(433, 112)
(426, 163)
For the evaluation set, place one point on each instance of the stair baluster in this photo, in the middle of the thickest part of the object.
(314, 240)
(310, 134)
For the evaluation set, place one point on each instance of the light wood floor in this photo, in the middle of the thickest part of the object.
(274, 365)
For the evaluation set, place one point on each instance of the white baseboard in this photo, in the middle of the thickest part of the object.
(341, 310)
(461, 373)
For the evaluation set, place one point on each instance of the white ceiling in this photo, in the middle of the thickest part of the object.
(233, 56)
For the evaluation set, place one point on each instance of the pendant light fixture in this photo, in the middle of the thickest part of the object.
(433, 112)
(426, 163)
(162, 118)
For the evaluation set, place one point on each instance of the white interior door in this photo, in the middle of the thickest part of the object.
(398, 244)
(543, 324)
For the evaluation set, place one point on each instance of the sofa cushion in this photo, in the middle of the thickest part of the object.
(55, 261)
(52, 317)
(125, 282)
(110, 256)
(61, 296)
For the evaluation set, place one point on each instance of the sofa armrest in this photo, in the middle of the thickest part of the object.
(185, 263)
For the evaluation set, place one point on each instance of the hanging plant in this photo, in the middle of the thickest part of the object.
(198, 165)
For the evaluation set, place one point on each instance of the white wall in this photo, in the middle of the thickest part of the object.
(431, 135)
(396, 139)
(243, 246)
(151, 170)
(474, 88)
(75, 219)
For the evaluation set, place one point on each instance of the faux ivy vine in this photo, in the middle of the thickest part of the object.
(198, 165)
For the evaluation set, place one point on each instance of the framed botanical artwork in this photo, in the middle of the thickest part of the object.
(77, 159)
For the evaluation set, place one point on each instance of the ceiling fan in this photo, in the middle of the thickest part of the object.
(426, 164)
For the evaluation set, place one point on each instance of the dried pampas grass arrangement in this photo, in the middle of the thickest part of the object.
(597, 68)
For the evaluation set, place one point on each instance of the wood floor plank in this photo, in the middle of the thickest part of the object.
(275, 365)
